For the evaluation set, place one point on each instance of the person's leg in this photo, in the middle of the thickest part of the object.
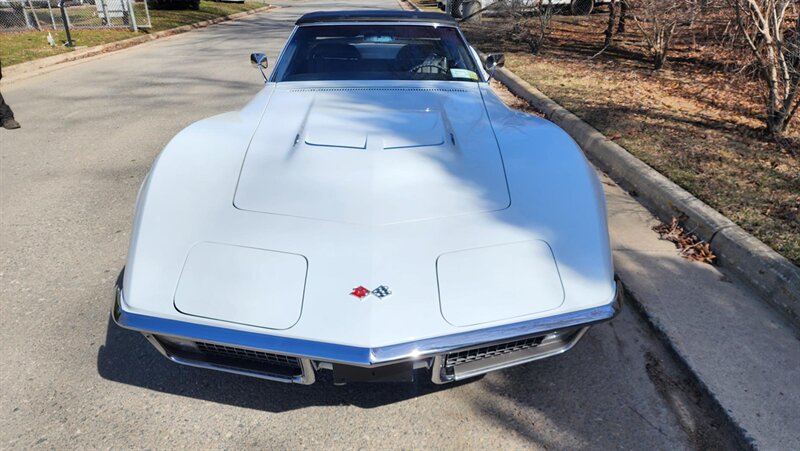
(6, 115)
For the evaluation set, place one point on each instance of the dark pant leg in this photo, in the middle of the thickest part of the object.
(5, 110)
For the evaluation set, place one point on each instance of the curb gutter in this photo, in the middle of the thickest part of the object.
(29, 69)
(774, 278)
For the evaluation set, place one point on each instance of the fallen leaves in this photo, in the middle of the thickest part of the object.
(691, 247)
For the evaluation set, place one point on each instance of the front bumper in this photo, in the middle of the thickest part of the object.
(448, 358)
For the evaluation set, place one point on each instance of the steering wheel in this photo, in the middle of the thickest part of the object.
(432, 62)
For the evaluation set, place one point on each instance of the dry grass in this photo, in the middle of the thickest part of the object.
(513, 101)
(695, 122)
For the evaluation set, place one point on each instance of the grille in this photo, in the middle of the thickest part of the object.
(248, 360)
(487, 352)
(246, 354)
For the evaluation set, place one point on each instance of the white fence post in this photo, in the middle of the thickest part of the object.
(134, 27)
(52, 17)
(35, 19)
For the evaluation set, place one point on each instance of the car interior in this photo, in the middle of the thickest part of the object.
(376, 56)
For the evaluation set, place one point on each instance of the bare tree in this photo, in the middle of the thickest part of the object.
(537, 31)
(774, 42)
(613, 6)
(531, 20)
(657, 21)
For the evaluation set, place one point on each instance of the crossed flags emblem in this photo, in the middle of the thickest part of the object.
(380, 292)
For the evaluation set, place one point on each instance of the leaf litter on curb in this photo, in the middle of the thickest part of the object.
(691, 247)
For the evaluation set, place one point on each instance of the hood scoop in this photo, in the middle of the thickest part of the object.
(373, 157)
(330, 126)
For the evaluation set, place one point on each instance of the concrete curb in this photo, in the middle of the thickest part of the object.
(33, 68)
(772, 276)
(743, 437)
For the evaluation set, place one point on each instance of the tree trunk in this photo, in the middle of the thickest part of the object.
(658, 61)
(612, 16)
(622, 13)
(663, 37)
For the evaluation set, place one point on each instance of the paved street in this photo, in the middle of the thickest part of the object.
(71, 379)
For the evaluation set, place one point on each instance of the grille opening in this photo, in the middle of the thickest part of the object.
(459, 358)
(455, 359)
(489, 355)
(234, 357)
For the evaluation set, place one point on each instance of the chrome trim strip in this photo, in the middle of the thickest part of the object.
(359, 356)
(274, 73)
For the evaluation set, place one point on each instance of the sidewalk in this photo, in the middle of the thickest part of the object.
(745, 354)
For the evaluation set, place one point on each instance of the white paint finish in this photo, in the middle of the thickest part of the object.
(497, 283)
(528, 166)
(242, 285)
(187, 199)
(407, 170)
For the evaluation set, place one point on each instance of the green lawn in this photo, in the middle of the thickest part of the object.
(17, 48)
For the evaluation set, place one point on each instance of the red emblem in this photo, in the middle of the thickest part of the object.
(360, 292)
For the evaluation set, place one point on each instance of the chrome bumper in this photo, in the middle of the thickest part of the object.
(544, 337)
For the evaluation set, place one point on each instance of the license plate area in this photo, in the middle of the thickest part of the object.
(398, 372)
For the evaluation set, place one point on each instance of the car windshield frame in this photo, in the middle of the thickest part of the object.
(283, 61)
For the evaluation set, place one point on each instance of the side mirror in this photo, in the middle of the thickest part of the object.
(493, 61)
(259, 60)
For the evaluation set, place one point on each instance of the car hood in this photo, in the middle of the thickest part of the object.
(373, 156)
(305, 237)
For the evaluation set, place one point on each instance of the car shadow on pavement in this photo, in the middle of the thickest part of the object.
(127, 357)
(618, 388)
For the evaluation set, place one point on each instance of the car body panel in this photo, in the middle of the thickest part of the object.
(243, 285)
(496, 283)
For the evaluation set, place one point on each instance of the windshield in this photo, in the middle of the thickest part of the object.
(376, 52)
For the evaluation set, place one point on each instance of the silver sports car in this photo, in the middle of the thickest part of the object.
(375, 211)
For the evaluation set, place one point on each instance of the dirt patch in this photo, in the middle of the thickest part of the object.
(690, 406)
(696, 121)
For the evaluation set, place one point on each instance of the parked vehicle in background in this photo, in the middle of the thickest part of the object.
(174, 4)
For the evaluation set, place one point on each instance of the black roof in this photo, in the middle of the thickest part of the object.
(374, 16)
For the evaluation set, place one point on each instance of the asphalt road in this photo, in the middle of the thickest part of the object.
(71, 379)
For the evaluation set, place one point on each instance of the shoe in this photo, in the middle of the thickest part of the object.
(11, 124)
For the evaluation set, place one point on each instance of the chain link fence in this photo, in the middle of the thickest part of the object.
(466, 9)
(25, 15)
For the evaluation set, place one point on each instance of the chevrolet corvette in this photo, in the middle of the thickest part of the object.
(375, 211)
